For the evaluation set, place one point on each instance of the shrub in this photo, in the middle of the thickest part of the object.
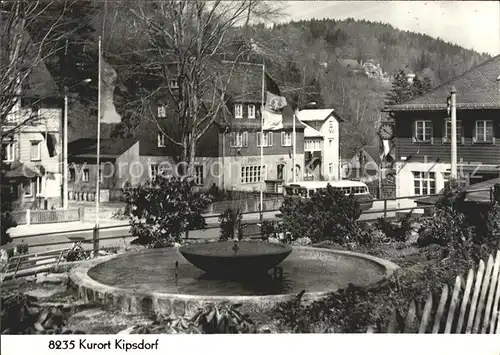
(231, 226)
(327, 215)
(395, 231)
(446, 227)
(20, 314)
(268, 229)
(211, 319)
(354, 309)
(163, 208)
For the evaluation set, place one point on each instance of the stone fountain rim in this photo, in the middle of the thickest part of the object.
(79, 276)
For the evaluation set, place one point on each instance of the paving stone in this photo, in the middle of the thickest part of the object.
(59, 278)
(45, 293)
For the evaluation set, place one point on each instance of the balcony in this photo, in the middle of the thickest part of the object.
(315, 145)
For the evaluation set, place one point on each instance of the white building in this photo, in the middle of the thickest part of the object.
(321, 143)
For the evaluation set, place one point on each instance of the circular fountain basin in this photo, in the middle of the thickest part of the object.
(148, 280)
(238, 259)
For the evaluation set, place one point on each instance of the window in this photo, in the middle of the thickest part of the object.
(162, 111)
(173, 84)
(198, 174)
(251, 174)
(312, 144)
(330, 168)
(238, 111)
(101, 177)
(36, 150)
(483, 132)
(424, 183)
(267, 141)
(153, 170)
(331, 127)
(239, 139)
(286, 139)
(8, 152)
(71, 174)
(28, 188)
(423, 132)
(39, 186)
(447, 137)
(161, 140)
(86, 175)
(251, 111)
(330, 143)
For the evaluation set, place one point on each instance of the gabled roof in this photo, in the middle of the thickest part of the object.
(109, 148)
(477, 88)
(310, 132)
(307, 115)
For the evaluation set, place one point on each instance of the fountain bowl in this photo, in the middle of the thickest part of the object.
(235, 258)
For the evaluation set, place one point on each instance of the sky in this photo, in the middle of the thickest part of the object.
(470, 24)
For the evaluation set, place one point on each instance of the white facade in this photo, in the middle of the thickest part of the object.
(29, 147)
(322, 134)
(243, 173)
(420, 178)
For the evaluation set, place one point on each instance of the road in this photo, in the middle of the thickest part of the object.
(119, 236)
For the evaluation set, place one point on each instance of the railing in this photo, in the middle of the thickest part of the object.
(472, 307)
(251, 230)
(48, 216)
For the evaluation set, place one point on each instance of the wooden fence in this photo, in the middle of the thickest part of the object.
(48, 216)
(470, 307)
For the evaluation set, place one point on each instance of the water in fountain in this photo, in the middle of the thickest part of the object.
(167, 271)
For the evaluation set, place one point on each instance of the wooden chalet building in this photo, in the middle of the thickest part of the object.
(422, 133)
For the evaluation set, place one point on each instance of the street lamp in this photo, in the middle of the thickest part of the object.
(65, 147)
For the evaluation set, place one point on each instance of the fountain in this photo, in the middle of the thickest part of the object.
(177, 281)
(235, 258)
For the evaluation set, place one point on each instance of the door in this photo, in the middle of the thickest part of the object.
(280, 169)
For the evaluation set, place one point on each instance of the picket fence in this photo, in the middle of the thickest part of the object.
(472, 307)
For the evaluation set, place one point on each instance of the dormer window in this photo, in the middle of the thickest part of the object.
(162, 111)
(238, 111)
(173, 84)
(251, 111)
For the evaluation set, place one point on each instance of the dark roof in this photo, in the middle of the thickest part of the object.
(477, 88)
(482, 196)
(246, 82)
(109, 148)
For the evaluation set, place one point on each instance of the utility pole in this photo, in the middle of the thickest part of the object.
(65, 150)
(453, 110)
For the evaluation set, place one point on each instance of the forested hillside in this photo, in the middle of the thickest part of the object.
(304, 57)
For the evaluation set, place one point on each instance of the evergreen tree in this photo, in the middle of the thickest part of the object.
(420, 86)
(401, 90)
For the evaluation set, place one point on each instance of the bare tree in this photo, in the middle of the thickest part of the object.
(25, 46)
(27, 40)
(188, 42)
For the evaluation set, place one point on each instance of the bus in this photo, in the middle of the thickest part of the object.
(305, 189)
